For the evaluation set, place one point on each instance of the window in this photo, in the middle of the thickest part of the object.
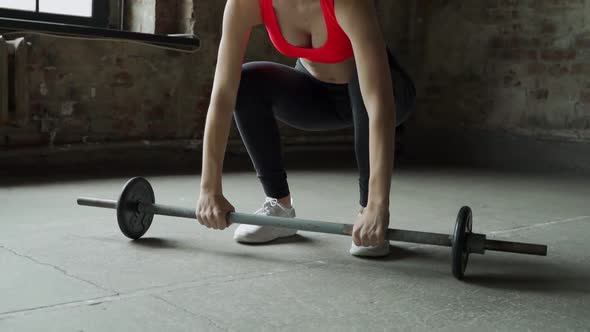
(78, 12)
(18, 4)
(75, 8)
(88, 18)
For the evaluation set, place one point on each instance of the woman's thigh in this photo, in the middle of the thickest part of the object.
(294, 97)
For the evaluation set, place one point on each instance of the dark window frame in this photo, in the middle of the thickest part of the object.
(175, 41)
(99, 18)
(95, 27)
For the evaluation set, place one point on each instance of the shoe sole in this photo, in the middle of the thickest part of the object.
(252, 241)
(371, 255)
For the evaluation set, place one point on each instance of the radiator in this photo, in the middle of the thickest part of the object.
(14, 90)
(3, 82)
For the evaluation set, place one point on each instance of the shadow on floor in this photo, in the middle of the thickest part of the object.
(529, 282)
(539, 275)
(158, 243)
(505, 272)
(296, 160)
(193, 249)
(508, 272)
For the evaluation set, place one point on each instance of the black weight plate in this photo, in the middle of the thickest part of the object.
(132, 222)
(463, 228)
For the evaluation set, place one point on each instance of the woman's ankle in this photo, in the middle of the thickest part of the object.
(285, 201)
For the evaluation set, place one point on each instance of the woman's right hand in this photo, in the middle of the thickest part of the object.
(212, 211)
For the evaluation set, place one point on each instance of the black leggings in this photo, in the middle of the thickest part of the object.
(270, 91)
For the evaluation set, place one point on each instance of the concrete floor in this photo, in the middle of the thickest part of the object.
(68, 268)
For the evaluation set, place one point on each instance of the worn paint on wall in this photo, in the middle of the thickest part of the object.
(160, 17)
(512, 66)
(107, 91)
(129, 92)
(140, 15)
(515, 66)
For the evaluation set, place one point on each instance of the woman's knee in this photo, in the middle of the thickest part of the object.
(252, 71)
(251, 84)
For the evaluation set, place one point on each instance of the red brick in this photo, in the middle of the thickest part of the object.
(24, 139)
(514, 54)
(514, 42)
(540, 94)
(555, 4)
(75, 125)
(581, 69)
(558, 54)
(119, 61)
(583, 41)
(50, 74)
(536, 68)
(516, 28)
(558, 70)
(548, 28)
(122, 79)
(498, 15)
(508, 3)
(515, 14)
(511, 79)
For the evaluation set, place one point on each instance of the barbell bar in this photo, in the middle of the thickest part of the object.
(136, 208)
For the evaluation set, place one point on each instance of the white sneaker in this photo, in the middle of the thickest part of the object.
(371, 251)
(263, 234)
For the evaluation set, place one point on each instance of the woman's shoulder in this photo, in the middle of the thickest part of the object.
(248, 10)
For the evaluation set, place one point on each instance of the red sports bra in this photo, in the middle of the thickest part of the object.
(336, 49)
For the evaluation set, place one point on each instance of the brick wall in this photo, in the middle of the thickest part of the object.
(518, 67)
(505, 65)
(85, 91)
(130, 92)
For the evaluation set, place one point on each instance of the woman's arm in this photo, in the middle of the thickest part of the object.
(237, 24)
(358, 18)
(239, 18)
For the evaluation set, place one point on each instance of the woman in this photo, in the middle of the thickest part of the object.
(344, 77)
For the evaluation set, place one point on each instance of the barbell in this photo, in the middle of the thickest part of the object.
(137, 206)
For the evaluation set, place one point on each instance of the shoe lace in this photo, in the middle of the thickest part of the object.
(268, 205)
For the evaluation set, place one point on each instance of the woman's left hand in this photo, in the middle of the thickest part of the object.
(371, 226)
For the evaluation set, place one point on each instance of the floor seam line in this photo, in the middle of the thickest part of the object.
(211, 321)
(57, 268)
(540, 225)
(146, 291)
